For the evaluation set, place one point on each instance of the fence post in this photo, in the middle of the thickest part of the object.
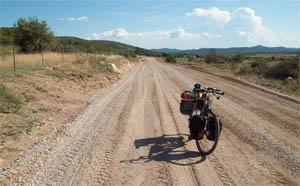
(62, 54)
(76, 55)
(42, 55)
(87, 55)
(14, 58)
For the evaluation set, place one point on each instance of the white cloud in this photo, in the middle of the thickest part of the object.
(83, 18)
(250, 26)
(245, 23)
(161, 35)
(221, 16)
(71, 19)
(180, 33)
(118, 33)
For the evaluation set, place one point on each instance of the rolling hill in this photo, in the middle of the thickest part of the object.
(233, 50)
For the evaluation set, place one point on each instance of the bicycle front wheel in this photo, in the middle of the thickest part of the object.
(211, 135)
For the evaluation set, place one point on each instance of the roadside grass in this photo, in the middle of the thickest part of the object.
(17, 121)
(56, 65)
(182, 60)
(9, 102)
(255, 69)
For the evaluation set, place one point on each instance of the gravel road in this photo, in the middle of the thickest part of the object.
(134, 134)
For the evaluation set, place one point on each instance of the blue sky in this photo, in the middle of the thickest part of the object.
(183, 24)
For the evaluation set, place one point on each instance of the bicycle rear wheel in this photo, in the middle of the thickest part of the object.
(211, 135)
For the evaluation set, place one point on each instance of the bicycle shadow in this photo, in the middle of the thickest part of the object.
(167, 148)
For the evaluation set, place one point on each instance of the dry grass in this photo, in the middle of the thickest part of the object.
(61, 66)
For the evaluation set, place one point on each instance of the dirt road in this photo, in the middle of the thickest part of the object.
(134, 134)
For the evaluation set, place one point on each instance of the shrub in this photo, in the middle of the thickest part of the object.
(99, 65)
(171, 59)
(237, 58)
(211, 57)
(191, 58)
(31, 35)
(259, 67)
(244, 70)
(284, 69)
(9, 103)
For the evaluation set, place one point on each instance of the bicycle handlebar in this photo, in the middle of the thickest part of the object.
(212, 90)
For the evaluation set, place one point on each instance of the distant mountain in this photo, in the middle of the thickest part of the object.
(233, 50)
(99, 44)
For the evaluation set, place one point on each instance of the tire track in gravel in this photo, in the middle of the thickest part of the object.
(157, 107)
(166, 177)
(97, 171)
(71, 156)
(135, 168)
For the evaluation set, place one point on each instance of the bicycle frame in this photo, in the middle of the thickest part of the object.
(198, 103)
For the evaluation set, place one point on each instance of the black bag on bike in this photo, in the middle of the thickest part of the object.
(211, 126)
(186, 105)
(196, 126)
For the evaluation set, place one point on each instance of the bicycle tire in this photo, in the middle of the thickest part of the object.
(198, 142)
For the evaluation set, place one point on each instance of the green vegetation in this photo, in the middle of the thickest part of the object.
(9, 102)
(99, 64)
(6, 36)
(32, 35)
(103, 47)
(211, 57)
(276, 71)
(28, 126)
(171, 59)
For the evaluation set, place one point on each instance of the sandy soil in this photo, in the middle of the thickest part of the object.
(133, 134)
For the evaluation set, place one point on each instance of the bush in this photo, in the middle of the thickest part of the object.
(100, 65)
(211, 57)
(9, 103)
(31, 35)
(171, 59)
(244, 70)
(237, 58)
(191, 58)
(284, 69)
(259, 67)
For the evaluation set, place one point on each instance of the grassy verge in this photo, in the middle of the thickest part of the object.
(9, 102)
(280, 73)
(56, 65)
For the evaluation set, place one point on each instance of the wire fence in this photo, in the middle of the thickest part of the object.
(12, 59)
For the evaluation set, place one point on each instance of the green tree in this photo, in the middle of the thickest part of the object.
(31, 35)
(6, 36)
(237, 58)
(191, 58)
(171, 59)
(211, 57)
